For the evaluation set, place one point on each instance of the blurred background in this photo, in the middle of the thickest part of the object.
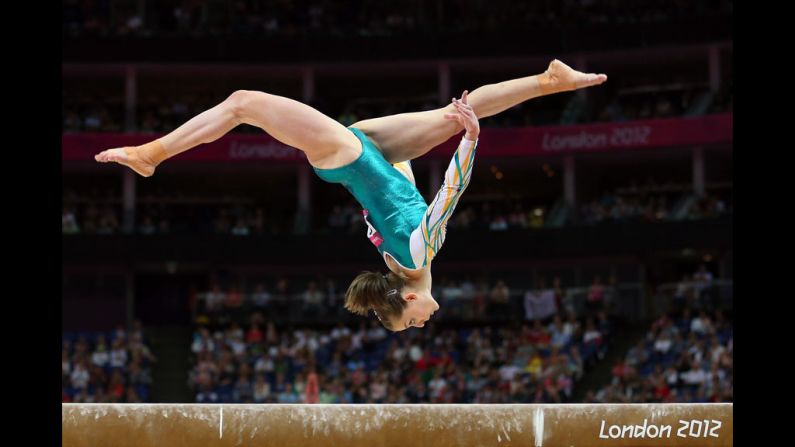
(590, 259)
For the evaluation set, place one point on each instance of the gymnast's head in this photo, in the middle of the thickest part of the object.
(393, 300)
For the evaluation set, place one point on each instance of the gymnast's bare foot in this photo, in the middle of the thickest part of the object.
(130, 157)
(559, 77)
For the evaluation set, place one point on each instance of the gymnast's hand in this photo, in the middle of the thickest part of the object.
(465, 116)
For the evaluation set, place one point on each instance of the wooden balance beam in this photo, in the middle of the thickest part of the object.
(438, 425)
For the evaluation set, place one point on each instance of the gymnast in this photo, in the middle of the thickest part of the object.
(372, 160)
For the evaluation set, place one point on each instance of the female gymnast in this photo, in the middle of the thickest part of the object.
(371, 158)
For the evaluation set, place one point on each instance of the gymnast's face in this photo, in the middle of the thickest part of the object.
(420, 306)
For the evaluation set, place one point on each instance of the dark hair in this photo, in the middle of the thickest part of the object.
(381, 293)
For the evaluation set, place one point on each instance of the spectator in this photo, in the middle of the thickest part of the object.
(254, 335)
(100, 357)
(233, 299)
(313, 299)
(596, 293)
(499, 300)
(261, 297)
(214, 299)
(540, 303)
(118, 355)
(69, 221)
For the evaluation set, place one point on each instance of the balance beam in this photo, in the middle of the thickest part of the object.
(437, 425)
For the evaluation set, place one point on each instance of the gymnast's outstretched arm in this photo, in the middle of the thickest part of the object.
(428, 237)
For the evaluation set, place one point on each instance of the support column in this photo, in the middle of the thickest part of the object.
(308, 85)
(303, 211)
(128, 177)
(128, 201)
(435, 179)
(304, 206)
(304, 187)
(129, 291)
(698, 171)
(130, 98)
(443, 75)
(714, 68)
(642, 312)
(569, 181)
(581, 64)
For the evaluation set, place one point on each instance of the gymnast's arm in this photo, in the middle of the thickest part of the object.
(427, 239)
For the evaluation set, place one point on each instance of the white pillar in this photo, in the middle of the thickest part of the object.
(714, 68)
(698, 171)
(569, 181)
(642, 311)
(128, 200)
(128, 177)
(581, 65)
(435, 179)
(303, 212)
(443, 75)
(130, 98)
(304, 187)
(129, 292)
(304, 184)
(308, 85)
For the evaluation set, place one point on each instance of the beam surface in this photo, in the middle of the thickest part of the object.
(437, 425)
